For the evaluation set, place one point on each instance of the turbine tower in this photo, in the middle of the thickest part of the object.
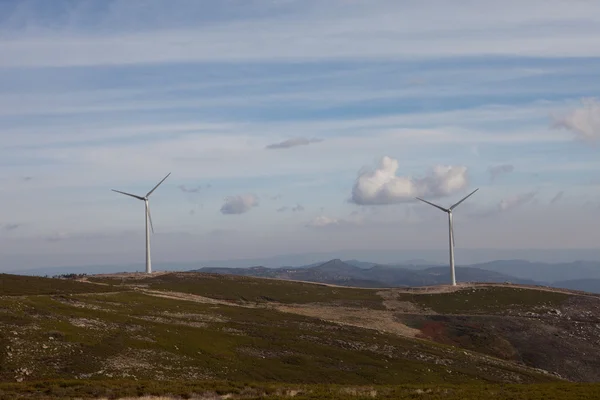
(145, 199)
(451, 229)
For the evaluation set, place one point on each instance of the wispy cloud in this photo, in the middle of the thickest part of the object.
(557, 197)
(296, 208)
(383, 186)
(506, 204)
(9, 227)
(516, 201)
(497, 170)
(337, 30)
(239, 204)
(584, 121)
(286, 144)
(58, 236)
(323, 221)
(194, 189)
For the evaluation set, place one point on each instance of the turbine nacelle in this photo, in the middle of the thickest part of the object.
(452, 207)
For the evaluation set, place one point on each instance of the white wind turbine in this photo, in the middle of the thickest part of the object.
(148, 219)
(451, 229)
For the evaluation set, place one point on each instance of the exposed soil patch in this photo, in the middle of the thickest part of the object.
(372, 319)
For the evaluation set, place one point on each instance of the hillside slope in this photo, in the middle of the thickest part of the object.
(561, 324)
(209, 327)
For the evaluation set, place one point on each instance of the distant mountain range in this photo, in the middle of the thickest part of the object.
(578, 275)
(344, 273)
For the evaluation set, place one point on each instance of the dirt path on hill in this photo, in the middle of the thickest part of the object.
(379, 320)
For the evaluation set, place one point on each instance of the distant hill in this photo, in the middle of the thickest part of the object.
(544, 272)
(586, 285)
(339, 272)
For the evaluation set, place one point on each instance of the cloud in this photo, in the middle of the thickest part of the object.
(557, 197)
(58, 236)
(507, 204)
(296, 208)
(128, 34)
(27, 178)
(584, 121)
(322, 221)
(498, 170)
(382, 186)
(286, 144)
(516, 201)
(9, 227)
(353, 219)
(195, 189)
(239, 204)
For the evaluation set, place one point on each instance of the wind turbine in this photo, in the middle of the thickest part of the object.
(451, 229)
(145, 199)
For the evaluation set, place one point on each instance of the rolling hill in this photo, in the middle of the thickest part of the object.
(342, 273)
(197, 334)
(586, 285)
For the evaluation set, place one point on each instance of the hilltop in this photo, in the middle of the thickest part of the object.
(195, 331)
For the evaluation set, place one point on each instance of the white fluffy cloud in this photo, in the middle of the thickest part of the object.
(382, 186)
(584, 121)
(239, 204)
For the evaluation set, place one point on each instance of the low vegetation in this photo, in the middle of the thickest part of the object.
(172, 390)
(255, 290)
(17, 285)
(487, 300)
(185, 335)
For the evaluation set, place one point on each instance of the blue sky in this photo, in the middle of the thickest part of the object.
(98, 94)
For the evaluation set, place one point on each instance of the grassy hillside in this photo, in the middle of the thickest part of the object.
(487, 300)
(197, 330)
(205, 390)
(241, 289)
(17, 285)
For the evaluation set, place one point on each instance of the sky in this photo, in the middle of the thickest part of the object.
(293, 126)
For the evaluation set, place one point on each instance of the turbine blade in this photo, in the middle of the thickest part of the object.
(128, 194)
(463, 199)
(150, 192)
(150, 218)
(452, 233)
(431, 204)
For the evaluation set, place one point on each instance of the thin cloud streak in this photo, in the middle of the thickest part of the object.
(295, 142)
(498, 170)
(338, 30)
